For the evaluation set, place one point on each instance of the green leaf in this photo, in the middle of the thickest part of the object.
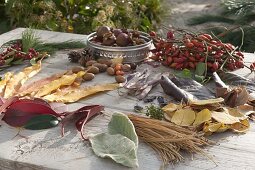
(120, 124)
(41, 122)
(185, 73)
(9, 60)
(33, 61)
(17, 62)
(117, 147)
(200, 69)
(119, 143)
(199, 78)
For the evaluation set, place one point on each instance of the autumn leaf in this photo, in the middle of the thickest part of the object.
(184, 117)
(206, 102)
(17, 80)
(218, 127)
(65, 80)
(202, 116)
(36, 85)
(76, 94)
(224, 117)
(4, 81)
(169, 110)
(241, 127)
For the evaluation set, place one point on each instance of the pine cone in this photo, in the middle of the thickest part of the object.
(74, 56)
(86, 54)
(83, 61)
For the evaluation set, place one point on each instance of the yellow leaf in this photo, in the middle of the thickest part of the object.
(184, 117)
(210, 128)
(235, 112)
(4, 81)
(169, 110)
(207, 102)
(241, 127)
(202, 116)
(76, 94)
(65, 80)
(224, 117)
(19, 79)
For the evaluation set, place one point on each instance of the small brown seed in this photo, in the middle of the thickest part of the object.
(102, 67)
(93, 69)
(77, 69)
(110, 71)
(106, 61)
(120, 79)
(90, 63)
(88, 76)
(126, 67)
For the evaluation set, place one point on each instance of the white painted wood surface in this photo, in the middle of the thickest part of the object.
(46, 149)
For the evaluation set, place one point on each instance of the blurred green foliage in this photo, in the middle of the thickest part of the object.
(80, 16)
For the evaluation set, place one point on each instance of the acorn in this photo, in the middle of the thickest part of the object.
(102, 30)
(122, 40)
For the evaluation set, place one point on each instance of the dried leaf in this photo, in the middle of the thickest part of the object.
(65, 80)
(169, 110)
(241, 127)
(202, 116)
(19, 79)
(79, 93)
(207, 102)
(224, 117)
(36, 85)
(210, 128)
(184, 117)
(235, 112)
(246, 109)
(4, 81)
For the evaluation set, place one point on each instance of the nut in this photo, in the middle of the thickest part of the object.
(102, 67)
(110, 71)
(77, 69)
(108, 62)
(126, 67)
(90, 63)
(88, 76)
(120, 79)
(93, 69)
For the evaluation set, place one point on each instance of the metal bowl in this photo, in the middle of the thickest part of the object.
(130, 54)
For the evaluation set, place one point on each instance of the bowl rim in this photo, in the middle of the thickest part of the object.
(128, 48)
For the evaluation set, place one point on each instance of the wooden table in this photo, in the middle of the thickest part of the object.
(46, 149)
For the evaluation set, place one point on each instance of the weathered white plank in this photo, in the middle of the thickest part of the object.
(46, 148)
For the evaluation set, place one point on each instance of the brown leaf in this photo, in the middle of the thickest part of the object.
(241, 127)
(224, 117)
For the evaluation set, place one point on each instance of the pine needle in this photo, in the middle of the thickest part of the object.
(168, 139)
(209, 18)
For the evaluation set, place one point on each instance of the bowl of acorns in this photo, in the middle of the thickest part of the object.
(133, 46)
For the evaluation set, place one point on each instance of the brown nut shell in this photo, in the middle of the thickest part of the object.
(88, 76)
(77, 69)
(120, 79)
(110, 71)
(106, 61)
(102, 67)
(126, 67)
(93, 69)
(90, 63)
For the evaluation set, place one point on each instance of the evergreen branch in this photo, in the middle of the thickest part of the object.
(209, 18)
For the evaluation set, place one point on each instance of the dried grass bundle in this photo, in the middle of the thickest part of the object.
(168, 139)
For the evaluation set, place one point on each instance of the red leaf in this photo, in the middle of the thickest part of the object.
(21, 111)
(7, 103)
(82, 115)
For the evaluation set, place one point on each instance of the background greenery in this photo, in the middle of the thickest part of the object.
(79, 16)
(238, 17)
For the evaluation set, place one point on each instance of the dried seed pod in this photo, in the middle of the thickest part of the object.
(120, 79)
(88, 76)
(93, 69)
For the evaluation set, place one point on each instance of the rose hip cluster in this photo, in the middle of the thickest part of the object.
(15, 52)
(189, 49)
